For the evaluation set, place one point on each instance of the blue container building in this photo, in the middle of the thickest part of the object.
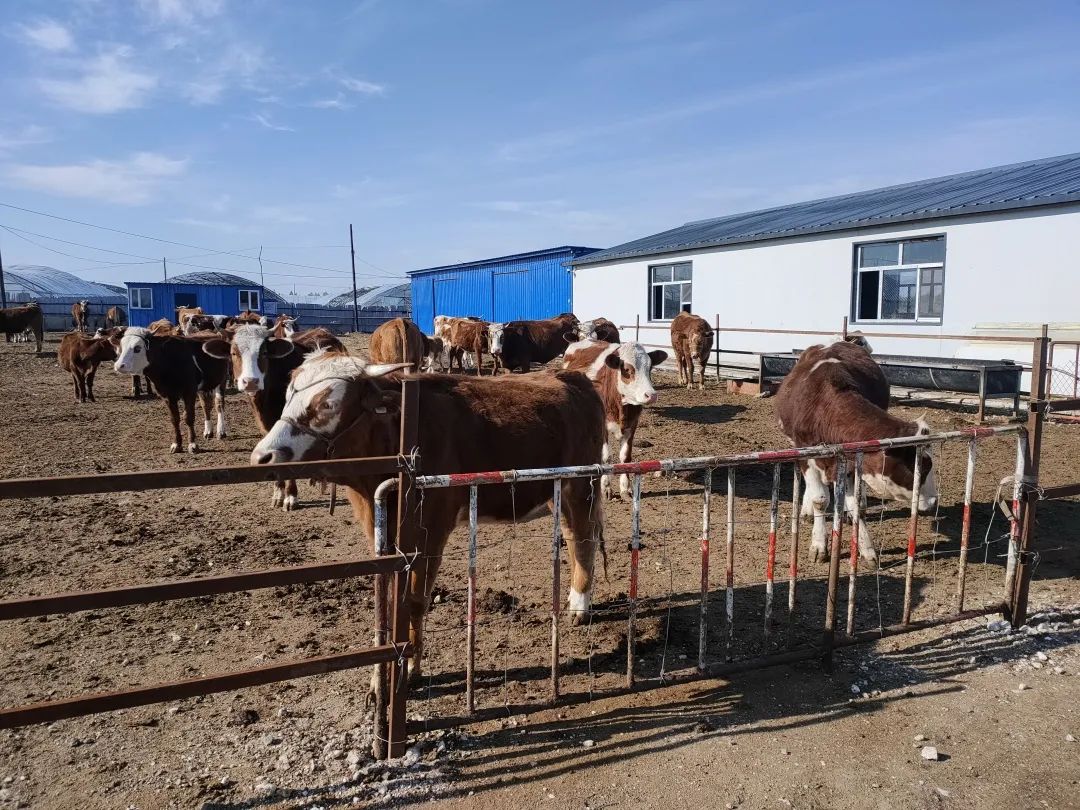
(216, 293)
(524, 286)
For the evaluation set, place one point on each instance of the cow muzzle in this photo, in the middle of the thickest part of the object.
(249, 385)
(276, 455)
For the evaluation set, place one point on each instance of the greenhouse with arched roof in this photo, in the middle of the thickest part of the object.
(56, 290)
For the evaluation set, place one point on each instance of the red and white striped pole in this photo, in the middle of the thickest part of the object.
(1014, 524)
(556, 589)
(965, 530)
(703, 626)
(793, 562)
(853, 558)
(635, 553)
(770, 565)
(729, 573)
(913, 531)
(470, 627)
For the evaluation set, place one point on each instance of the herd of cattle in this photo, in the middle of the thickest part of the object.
(312, 399)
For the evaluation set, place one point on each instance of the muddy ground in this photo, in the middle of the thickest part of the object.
(307, 741)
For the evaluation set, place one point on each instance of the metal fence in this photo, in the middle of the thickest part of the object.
(340, 320)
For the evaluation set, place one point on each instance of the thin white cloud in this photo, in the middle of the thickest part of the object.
(338, 102)
(362, 86)
(181, 12)
(49, 35)
(237, 65)
(106, 83)
(262, 120)
(128, 182)
(29, 135)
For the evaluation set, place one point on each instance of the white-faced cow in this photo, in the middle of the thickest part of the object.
(599, 329)
(692, 340)
(622, 373)
(179, 369)
(836, 394)
(80, 315)
(80, 356)
(261, 365)
(518, 344)
(468, 424)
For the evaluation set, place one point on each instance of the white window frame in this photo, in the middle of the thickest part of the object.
(917, 267)
(148, 291)
(653, 318)
(250, 293)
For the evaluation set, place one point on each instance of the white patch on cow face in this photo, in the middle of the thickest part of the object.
(132, 359)
(289, 327)
(639, 389)
(247, 345)
(495, 337)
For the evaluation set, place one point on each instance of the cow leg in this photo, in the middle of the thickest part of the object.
(584, 535)
(189, 418)
(679, 366)
(701, 384)
(866, 543)
(817, 495)
(278, 497)
(207, 399)
(290, 495)
(219, 404)
(136, 386)
(77, 384)
(174, 415)
(605, 458)
(626, 450)
(90, 383)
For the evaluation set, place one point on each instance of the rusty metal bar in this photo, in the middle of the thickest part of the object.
(129, 698)
(1063, 491)
(191, 588)
(729, 573)
(770, 565)
(829, 636)
(793, 561)
(965, 526)
(470, 628)
(856, 534)
(913, 530)
(635, 553)
(556, 586)
(703, 622)
(201, 476)
(1063, 404)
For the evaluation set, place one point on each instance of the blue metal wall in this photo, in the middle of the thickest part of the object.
(214, 299)
(524, 286)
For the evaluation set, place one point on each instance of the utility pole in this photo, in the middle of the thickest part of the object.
(355, 307)
(164, 269)
(262, 284)
(3, 291)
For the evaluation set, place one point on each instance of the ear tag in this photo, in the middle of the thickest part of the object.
(381, 409)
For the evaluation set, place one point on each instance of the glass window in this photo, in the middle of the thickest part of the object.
(142, 298)
(900, 281)
(670, 290)
(249, 299)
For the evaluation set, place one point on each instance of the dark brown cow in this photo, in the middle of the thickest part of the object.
(467, 335)
(599, 329)
(468, 424)
(80, 315)
(622, 374)
(80, 356)
(16, 320)
(179, 369)
(261, 365)
(518, 344)
(115, 316)
(835, 394)
(692, 340)
(398, 341)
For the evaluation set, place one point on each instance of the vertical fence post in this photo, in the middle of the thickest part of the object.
(409, 541)
(635, 554)
(703, 626)
(793, 562)
(829, 636)
(913, 530)
(556, 587)
(729, 574)
(716, 347)
(965, 525)
(470, 628)
(844, 328)
(770, 565)
(1018, 599)
(637, 328)
(1076, 369)
(853, 558)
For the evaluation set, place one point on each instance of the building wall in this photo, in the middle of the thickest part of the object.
(1012, 270)
(214, 299)
(528, 288)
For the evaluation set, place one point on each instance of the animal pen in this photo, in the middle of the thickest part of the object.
(771, 604)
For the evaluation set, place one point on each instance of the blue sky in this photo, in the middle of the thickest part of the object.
(449, 130)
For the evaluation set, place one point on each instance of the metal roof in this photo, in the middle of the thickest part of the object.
(27, 282)
(387, 296)
(215, 279)
(1048, 181)
(575, 250)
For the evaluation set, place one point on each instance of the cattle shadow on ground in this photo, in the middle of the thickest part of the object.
(704, 414)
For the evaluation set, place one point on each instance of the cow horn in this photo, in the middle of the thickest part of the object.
(379, 369)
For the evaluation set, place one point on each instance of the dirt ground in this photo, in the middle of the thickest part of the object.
(786, 737)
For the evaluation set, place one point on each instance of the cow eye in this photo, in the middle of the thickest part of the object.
(138, 349)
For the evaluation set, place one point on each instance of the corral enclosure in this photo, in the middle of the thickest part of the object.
(54, 545)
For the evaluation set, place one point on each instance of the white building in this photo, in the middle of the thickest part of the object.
(995, 251)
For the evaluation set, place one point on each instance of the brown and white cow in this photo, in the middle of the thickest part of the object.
(599, 329)
(398, 341)
(468, 336)
(469, 424)
(261, 365)
(182, 315)
(163, 326)
(80, 315)
(179, 369)
(692, 340)
(433, 354)
(115, 316)
(80, 356)
(519, 344)
(836, 394)
(284, 326)
(622, 374)
(247, 316)
(16, 320)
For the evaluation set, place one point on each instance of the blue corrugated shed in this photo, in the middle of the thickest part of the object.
(507, 288)
(1049, 181)
(216, 293)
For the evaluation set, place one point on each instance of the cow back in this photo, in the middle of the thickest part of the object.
(397, 341)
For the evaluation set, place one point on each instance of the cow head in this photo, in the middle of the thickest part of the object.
(332, 395)
(433, 347)
(288, 325)
(250, 352)
(699, 342)
(84, 307)
(132, 346)
(634, 366)
(587, 330)
(495, 337)
(896, 476)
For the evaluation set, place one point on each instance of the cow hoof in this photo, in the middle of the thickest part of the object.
(174, 448)
(206, 434)
(289, 503)
(580, 604)
(869, 555)
(193, 448)
(276, 500)
(223, 435)
(819, 555)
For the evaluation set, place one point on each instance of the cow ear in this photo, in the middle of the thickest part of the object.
(390, 404)
(279, 347)
(657, 357)
(218, 348)
(571, 337)
(613, 360)
(379, 369)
